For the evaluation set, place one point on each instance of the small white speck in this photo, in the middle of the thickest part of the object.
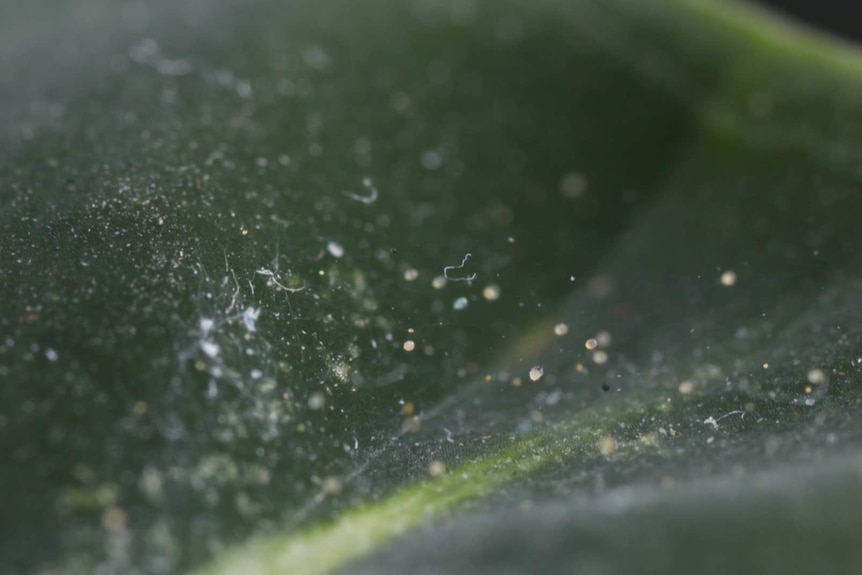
(536, 372)
(436, 468)
(206, 325)
(335, 249)
(210, 348)
(460, 303)
(561, 329)
(317, 401)
(491, 292)
(816, 376)
(51, 354)
(249, 317)
(728, 278)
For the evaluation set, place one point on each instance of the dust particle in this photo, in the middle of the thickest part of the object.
(411, 274)
(603, 338)
(591, 344)
(317, 401)
(728, 278)
(412, 424)
(335, 249)
(816, 376)
(573, 185)
(438, 282)
(607, 445)
(600, 357)
(491, 292)
(561, 329)
(536, 373)
(114, 519)
(436, 468)
(409, 345)
(460, 303)
(686, 387)
(331, 486)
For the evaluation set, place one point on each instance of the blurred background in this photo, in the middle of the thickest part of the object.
(833, 15)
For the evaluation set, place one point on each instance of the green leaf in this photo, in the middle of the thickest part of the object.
(308, 286)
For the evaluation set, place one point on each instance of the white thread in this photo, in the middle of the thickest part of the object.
(469, 278)
(367, 200)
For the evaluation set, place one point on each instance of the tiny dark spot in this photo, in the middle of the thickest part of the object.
(606, 387)
(393, 251)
